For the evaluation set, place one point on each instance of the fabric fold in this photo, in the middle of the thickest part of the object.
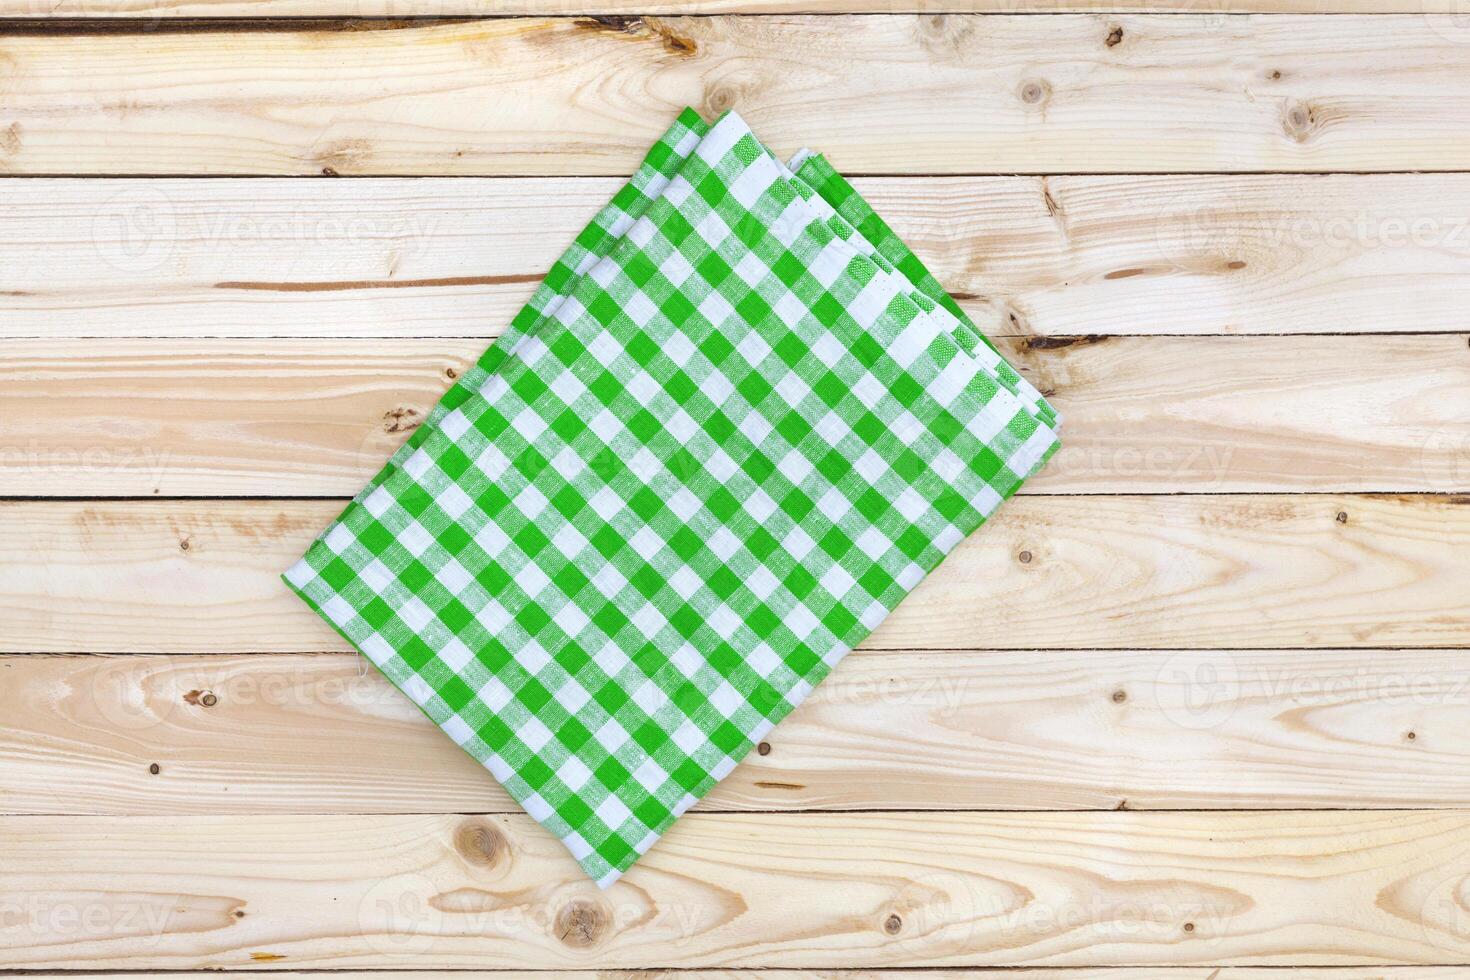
(733, 428)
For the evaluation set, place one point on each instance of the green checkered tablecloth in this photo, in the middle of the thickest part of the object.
(737, 423)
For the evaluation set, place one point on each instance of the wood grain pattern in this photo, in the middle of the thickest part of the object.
(970, 973)
(1049, 572)
(814, 890)
(1149, 415)
(959, 94)
(455, 257)
(93, 9)
(990, 730)
(1225, 701)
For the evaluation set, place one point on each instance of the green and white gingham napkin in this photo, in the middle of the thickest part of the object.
(735, 426)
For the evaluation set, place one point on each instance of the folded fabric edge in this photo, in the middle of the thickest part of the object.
(932, 332)
(300, 573)
(575, 845)
(824, 190)
(848, 202)
(302, 568)
(671, 148)
(989, 421)
(602, 230)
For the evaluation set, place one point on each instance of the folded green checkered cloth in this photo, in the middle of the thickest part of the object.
(734, 427)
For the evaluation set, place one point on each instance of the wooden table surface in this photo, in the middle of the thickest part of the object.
(1195, 707)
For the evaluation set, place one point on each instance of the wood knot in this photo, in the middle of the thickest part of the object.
(480, 843)
(1411, 736)
(1034, 92)
(1115, 36)
(184, 544)
(10, 141)
(721, 98)
(764, 748)
(1189, 927)
(154, 769)
(616, 23)
(205, 698)
(676, 44)
(329, 172)
(451, 373)
(1053, 209)
(400, 419)
(1120, 696)
(1341, 517)
(771, 784)
(1300, 121)
(1025, 557)
(944, 36)
(893, 925)
(1061, 343)
(581, 924)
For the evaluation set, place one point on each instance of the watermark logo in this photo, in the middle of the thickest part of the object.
(1198, 689)
(135, 695)
(1205, 236)
(1445, 916)
(120, 692)
(1202, 689)
(397, 915)
(402, 914)
(37, 457)
(50, 918)
(136, 230)
(1202, 466)
(1452, 24)
(1445, 458)
(939, 694)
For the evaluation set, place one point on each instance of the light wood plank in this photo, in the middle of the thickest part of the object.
(1150, 415)
(994, 730)
(879, 94)
(631, 9)
(814, 890)
(455, 257)
(1049, 572)
(899, 973)
(1207, 972)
